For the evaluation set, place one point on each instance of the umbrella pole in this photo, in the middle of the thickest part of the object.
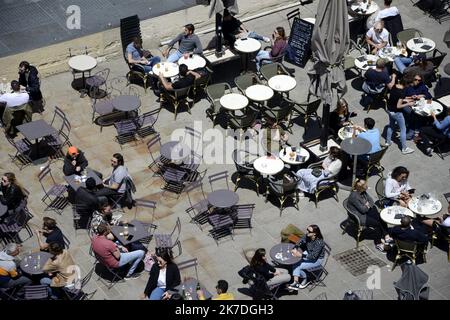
(219, 51)
(325, 125)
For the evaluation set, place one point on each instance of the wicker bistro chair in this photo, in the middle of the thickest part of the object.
(328, 183)
(244, 168)
(409, 250)
(53, 198)
(241, 122)
(440, 232)
(246, 80)
(307, 110)
(280, 112)
(353, 218)
(284, 189)
(379, 189)
(176, 98)
(272, 69)
(408, 34)
(200, 85)
(374, 162)
(214, 92)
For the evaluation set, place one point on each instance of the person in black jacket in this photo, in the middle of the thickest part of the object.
(406, 232)
(86, 201)
(75, 162)
(272, 275)
(156, 288)
(28, 78)
(362, 205)
(12, 192)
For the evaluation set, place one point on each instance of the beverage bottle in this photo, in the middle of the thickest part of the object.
(254, 80)
(183, 292)
(198, 286)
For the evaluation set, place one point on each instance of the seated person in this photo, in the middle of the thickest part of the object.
(273, 276)
(13, 99)
(164, 276)
(51, 233)
(443, 222)
(86, 201)
(59, 270)
(331, 166)
(115, 256)
(388, 11)
(222, 294)
(370, 134)
(10, 276)
(417, 64)
(397, 187)
(362, 204)
(188, 43)
(29, 79)
(311, 249)
(106, 216)
(340, 117)
(13, 194)
(186, 79)
(440, 130)
(137, 56)
(377, 37)
(377, 79)
(115, 185)
(417, 89)
(279, 44)
(74, 162)
(406, 232)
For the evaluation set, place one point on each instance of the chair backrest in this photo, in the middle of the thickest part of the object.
(437, 58)
(379, 188)
(217, 177)
(44, 172)
(176, 231)
(394, 25)
(104, 74)
(243, 121)
(408, 34)
(291, 15)
(350, 212)
(269, 70)
(377, 156)
(406, 246)
(118, 85)
(189, 264)
(154, 141)
(66, 242)
(58, 118)
(194, 186)
(37, 292)
(245, 80)
(141, 203)
(364, 294)
(313, 106)
(80, 50)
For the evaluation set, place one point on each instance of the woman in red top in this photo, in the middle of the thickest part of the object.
(278, 47)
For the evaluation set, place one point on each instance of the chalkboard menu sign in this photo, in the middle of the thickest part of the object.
(299, 45)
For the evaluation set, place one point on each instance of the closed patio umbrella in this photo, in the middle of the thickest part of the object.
(217, 7)
(413, 283)
(329, 43)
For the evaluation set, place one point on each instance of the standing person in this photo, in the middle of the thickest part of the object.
(311, 248)
(377, 37)
(115, 185)
(279, 44)
(439, 130)
(273, 276)
(10, 276)
(362, 204)
(188, 43)
(13, 195)
(51, 232)
(74, 162)
(136, 55)
(396, 103)
(59, 269)
(115, 256)
(397, 187)
(29, 79)
(164, 276)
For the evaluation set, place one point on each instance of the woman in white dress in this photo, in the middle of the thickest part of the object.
(330, 167)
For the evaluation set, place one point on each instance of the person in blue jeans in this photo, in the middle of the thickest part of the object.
(137, 56)
(311, 249)
(189, 43)
(396, 103)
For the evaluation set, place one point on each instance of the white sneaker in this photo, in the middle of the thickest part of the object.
(387, 143)
(407, 150)
(266, 39)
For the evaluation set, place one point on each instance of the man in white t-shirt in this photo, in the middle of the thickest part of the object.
(13, 99)
(388, 11)
(377, 37)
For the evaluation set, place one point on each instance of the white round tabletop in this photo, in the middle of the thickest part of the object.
(421, 45)
(247, 45)
(82, 63)
(193, 62)
(234, 101)
(390, 53)
(282, 83)
(259, 92)
(268, 165)
(366, 62)
(299, 156)
(347, 132)
(392, 215)
(310, 20)
(364, 8)
(168, 69)
(426, 207)
(425, 108)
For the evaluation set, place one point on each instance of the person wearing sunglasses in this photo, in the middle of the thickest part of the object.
(311, 249)
(417, 89)
(377, 37)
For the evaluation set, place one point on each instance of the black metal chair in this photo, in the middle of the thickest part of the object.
(374, 162)
(176, 98)
(284, 188)
(53, 198)
(126, 131)
(243, 160)
(214, 92)
(95, 83)
(170, 240)
(317, 275)
(244, 214)
(146, 123)
(187, 264)
(222, 227)
(215, 178)
(158, 162)
(199, 210)
(101, 107)
(22, 157)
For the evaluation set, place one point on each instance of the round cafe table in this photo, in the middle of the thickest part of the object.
(282, 83)
(126, 103)
(168, 69)
(391, 215)
(364, 9)
(281, 254)
(223, 198)
(193, 62)
(175, 151)
(346, 132)
(421, 45)
(268, 165)
(83, 63)
(247, 46)
(234, 101)
(362, 62)
(33, 265)
(426, 109)
(355, 147)
(427, 207)
(259, 92)
(285, 155)
(389, 53)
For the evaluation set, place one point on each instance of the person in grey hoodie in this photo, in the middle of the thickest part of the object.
(188, 43)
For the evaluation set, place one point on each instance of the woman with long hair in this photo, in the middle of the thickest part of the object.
(272, 275)
(12, 192)
(279, 43)
(397, 187)
(340, 116)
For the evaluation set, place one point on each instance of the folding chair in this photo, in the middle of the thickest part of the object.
(23, 150)
(222, 227)
(317, 275)
(199, 210)
(53, 198)
(158, 163)
(115, 274)
(171, 240)
(37, 292)
(126, 131)
(189, 264)
(244, 213)
(74, 293)
(214, 178)
(146, 123)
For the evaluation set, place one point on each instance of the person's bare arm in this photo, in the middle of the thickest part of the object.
(132, 61)
(166, 84)
(392, 83)
(42, 244)
(404, 103)
(195, 74)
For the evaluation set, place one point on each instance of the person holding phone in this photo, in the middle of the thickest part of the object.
(397, 187)
(279, 43)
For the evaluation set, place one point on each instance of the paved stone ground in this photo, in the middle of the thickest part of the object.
(223, 261)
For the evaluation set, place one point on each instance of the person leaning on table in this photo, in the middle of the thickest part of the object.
(397, 187)
(440, 130)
